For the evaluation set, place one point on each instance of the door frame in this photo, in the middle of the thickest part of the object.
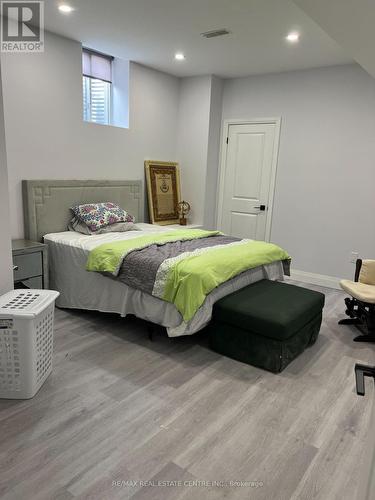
(223, 161)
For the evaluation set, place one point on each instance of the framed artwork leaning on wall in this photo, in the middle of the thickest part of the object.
(163, 191)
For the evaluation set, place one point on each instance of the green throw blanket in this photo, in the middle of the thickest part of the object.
(187, 277)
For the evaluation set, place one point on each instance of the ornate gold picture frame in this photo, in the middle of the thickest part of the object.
(163, 191)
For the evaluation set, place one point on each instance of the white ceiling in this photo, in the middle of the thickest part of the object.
(350, 22)
(151, 31)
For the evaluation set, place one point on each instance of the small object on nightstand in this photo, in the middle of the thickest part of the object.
(183, 209)
(30, 264)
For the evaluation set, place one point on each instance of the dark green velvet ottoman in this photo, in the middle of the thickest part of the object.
(267, 324)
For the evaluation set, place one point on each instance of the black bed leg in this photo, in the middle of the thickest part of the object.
(150, 331)
(350, 321)
(370, 337)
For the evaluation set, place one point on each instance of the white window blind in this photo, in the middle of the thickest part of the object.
(97, 65)
(97, 79)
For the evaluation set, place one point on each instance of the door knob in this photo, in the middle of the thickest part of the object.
(362, 371)
(262, 208)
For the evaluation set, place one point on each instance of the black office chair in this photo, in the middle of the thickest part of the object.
(361, 306)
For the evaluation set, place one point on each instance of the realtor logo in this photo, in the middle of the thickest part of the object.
(22, 26)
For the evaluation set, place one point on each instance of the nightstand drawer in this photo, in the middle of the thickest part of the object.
(35, 283)
(28, 265)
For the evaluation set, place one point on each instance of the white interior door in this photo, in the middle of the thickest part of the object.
(247, 179)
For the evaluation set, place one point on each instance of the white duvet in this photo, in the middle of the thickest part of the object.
(80, 289)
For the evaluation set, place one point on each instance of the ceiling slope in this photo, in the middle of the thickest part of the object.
(350, 23)
(150, 32)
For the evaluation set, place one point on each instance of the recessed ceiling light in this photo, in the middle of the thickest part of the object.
(65, 8)
(179, 56)
(293, 36)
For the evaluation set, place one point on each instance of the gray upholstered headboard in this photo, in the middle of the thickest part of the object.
(46, 203)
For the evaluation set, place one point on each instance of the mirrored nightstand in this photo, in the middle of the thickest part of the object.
(30, 264)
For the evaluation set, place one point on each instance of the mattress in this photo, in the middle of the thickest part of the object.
(80, 289)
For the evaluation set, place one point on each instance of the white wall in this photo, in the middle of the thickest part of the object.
(192, 141)
(214, 134)
(324, 201)
(198, 143)
(47, 138)
(350, 23)
(6, 273)
(170, 119)
(120, 93)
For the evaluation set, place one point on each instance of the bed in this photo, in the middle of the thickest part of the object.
(46, 215)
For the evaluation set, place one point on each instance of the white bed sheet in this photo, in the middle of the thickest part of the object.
(80, 289)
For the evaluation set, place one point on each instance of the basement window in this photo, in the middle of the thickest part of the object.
(97, 87)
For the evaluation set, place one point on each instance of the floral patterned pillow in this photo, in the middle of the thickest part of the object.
(99, 215)
(77, 226)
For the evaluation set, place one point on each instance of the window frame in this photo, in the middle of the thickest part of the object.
(87, 78)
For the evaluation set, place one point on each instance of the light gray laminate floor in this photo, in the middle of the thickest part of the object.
(121, 408)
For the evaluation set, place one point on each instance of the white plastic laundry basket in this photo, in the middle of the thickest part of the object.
(26, 341)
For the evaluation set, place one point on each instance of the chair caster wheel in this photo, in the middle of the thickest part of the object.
(365, 338)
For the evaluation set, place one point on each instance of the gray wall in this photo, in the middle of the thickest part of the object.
(324, 201)
(47, 138)
(350, 23)
(192, 141)
(6, 273)
(213, 153)
(198, 144)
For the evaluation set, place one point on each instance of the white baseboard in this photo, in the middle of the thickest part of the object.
(315, 279)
